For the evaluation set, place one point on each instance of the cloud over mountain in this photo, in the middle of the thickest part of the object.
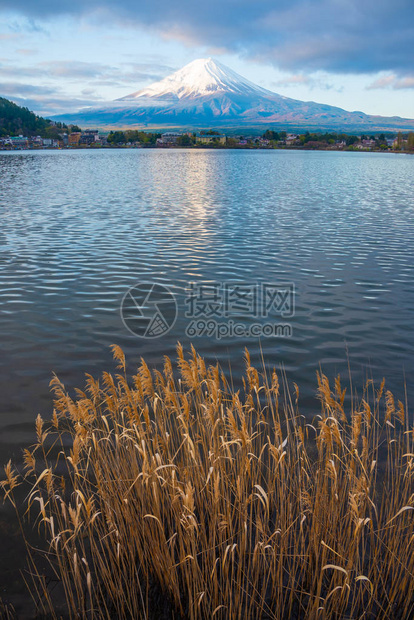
(392, 81)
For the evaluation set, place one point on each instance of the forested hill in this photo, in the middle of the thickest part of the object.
(15, 120)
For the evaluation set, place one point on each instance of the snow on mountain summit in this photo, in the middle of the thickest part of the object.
(200, 78)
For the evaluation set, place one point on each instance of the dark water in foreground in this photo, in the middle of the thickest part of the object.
(79, 228)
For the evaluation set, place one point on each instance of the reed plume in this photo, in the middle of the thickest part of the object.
(172, 495)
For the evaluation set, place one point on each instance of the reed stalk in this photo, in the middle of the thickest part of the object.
(171, 495)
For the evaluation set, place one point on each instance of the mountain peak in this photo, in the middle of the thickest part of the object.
(206, 93)
(199, 78)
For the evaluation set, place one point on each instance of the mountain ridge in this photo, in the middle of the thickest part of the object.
(206, 92)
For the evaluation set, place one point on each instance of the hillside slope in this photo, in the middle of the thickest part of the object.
(16, 120)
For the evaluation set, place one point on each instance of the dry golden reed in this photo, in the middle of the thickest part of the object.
(173, 495)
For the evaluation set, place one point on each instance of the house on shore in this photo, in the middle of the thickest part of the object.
(211, 138)
(170, 138)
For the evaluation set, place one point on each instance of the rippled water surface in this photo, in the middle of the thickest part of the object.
(79, 228)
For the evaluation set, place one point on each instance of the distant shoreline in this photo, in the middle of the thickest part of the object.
(205, 147)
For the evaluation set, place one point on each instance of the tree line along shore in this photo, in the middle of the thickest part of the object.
(73, 137)
(61, 136)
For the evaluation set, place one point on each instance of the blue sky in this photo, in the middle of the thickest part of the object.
(58, 56)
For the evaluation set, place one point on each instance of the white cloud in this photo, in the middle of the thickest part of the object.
(393, 82)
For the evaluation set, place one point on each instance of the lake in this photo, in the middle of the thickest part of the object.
(79, 228)
(320, 243)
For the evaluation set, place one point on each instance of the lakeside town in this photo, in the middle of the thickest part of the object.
(74, 137)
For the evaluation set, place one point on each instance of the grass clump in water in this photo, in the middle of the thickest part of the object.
(178, 497)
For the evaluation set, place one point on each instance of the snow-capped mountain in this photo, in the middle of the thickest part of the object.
(201, 78)
(207, 93)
